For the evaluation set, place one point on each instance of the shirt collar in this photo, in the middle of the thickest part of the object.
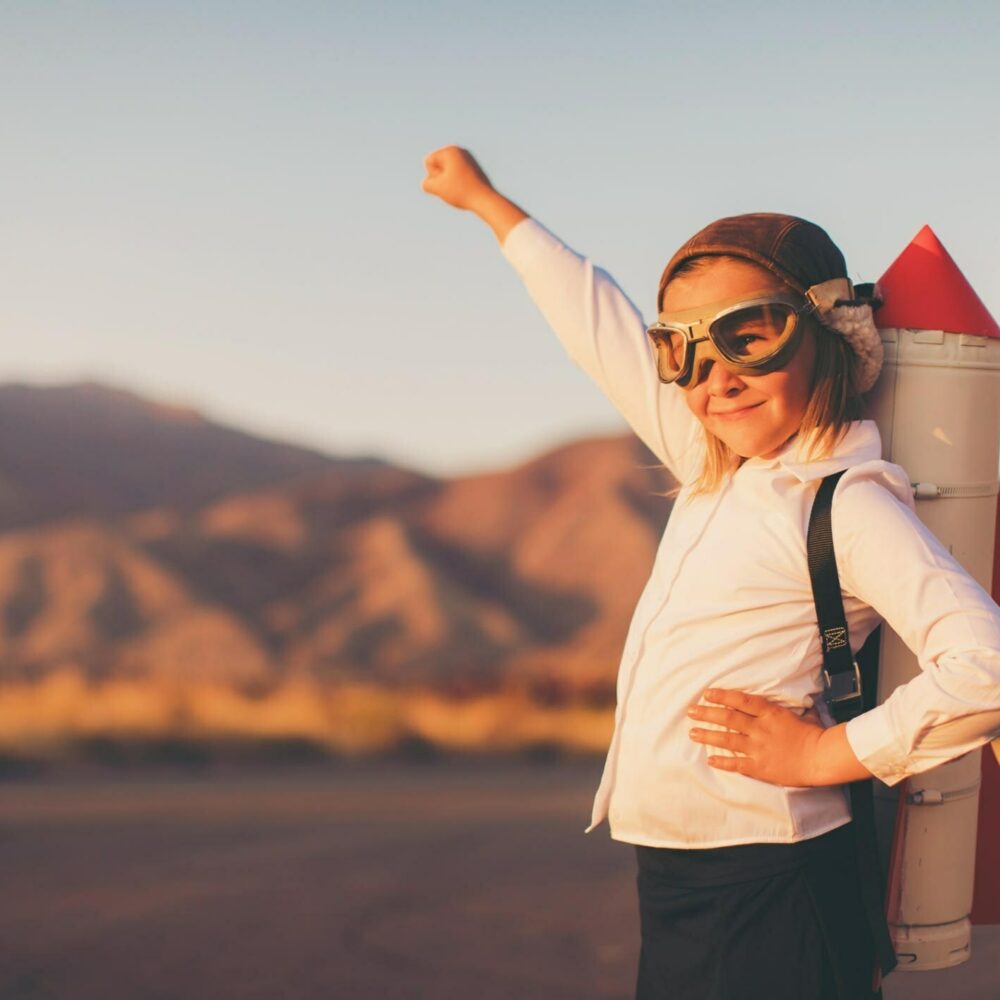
(861, 443)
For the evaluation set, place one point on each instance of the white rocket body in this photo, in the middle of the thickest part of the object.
(937, 406)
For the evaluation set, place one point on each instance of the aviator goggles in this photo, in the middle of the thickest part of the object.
(752, 335)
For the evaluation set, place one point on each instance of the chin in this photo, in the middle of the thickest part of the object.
(745, 445)
(749, 447)
(749, 441)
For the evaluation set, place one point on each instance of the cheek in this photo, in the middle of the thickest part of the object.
(788, 389)
(695, 399)
(791, 395)
(783, 390)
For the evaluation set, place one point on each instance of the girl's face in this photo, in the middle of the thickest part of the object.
(755, 415)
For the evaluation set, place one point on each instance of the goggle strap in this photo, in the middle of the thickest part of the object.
(827, 294)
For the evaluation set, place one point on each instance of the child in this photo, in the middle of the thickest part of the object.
(748, 388)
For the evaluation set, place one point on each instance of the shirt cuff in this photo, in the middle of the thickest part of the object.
(870, 737)
(525, 242)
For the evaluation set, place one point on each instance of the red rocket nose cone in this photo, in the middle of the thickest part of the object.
(924, 290)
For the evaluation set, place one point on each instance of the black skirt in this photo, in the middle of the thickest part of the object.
(753, 921)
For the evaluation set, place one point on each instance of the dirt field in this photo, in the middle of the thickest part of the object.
(374, 881)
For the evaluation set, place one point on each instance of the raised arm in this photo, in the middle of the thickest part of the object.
(599, 327)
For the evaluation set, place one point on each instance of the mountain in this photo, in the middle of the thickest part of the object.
(145, 545)
(88, 448)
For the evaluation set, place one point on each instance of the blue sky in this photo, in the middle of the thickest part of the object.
(219, 204)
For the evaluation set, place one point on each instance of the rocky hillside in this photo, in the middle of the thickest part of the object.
(148, 546)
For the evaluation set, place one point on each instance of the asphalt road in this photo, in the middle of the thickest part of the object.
(382, 880)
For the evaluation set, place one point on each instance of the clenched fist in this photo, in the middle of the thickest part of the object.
(455, 177)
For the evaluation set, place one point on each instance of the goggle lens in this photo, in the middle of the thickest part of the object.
(755, 332)
(670, 350)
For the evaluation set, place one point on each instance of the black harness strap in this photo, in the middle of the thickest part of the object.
(851, 688)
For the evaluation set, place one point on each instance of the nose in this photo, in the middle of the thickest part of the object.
(718, 379)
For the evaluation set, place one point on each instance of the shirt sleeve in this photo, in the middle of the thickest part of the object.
(888, 558)
(604, 334)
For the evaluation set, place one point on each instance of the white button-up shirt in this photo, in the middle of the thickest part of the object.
(729, 601)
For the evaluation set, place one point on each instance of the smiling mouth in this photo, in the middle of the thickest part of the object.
(736, 414)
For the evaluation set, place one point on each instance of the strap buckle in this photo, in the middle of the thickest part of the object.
(844, 685)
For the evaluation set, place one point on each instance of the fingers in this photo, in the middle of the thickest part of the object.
(435, 164)
(446, 156)
(741, 764)
(739, 742)
(436, 157)
(751, 704)
(731, 718)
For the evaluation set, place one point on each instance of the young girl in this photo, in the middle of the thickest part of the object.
(725, 769)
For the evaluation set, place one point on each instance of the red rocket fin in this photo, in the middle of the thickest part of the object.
(924, 290)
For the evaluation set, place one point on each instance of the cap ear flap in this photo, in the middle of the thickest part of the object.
(855, 323)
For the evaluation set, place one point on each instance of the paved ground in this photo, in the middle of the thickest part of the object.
(375, 881)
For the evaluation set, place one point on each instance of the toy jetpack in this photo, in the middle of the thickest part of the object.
(937, 406)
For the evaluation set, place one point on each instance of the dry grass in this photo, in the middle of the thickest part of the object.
(42, 717)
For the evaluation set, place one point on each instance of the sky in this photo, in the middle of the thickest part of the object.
(218, 204)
